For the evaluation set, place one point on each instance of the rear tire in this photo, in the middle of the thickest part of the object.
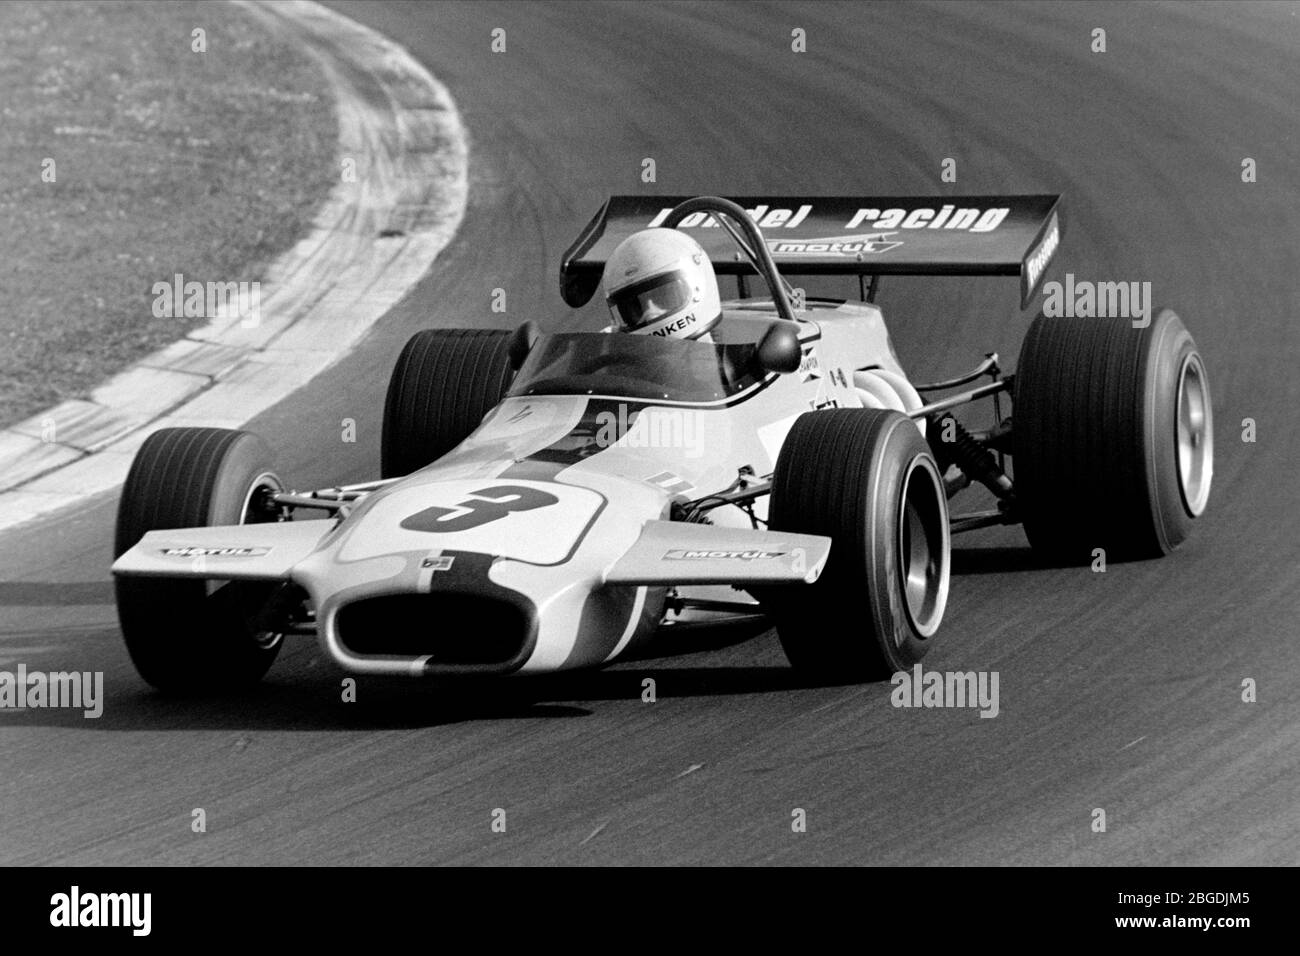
(1113, 436)
(193, 635)
(866, 479)
(444, 383)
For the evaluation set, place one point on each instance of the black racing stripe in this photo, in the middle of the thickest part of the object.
(468, 575)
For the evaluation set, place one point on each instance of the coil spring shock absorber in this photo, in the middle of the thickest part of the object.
(968, 455)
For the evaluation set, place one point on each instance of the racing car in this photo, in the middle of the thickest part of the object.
(550, 500)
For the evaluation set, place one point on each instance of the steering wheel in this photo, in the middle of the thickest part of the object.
(755, 248)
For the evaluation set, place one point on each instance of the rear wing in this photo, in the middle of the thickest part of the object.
(843, 235)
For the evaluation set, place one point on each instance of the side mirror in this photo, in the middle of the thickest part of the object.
(778, 350)
(521, 343)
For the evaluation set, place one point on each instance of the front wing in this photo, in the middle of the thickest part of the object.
(249, 552)
(671, 553)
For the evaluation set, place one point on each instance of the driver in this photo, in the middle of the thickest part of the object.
(660, 282)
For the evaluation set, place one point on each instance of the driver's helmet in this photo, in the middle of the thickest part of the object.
(660, 282)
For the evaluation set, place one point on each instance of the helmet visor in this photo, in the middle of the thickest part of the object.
(648, 301)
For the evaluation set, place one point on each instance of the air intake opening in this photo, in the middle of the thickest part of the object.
(454, 629)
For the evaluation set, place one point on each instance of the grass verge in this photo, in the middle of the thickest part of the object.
(129, 156)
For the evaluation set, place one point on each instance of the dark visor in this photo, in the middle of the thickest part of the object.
(640, 304)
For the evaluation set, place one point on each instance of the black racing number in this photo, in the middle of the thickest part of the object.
(481, 507)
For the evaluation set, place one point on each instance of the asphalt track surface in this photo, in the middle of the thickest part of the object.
(1119, 690)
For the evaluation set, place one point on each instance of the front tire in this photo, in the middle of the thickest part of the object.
(866, 479)
(1112, 436)
(193, 635)
(444, 383)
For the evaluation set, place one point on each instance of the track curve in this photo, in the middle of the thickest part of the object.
(1119, 690)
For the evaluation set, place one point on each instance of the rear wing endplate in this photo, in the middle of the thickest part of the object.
(843, 235)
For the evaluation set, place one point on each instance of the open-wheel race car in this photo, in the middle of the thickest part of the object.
(549, 500)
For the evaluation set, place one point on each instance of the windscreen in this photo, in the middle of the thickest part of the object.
(648, 367)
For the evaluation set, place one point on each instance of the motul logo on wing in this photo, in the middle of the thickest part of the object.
(215, 552)
(834, 246)
(683, 554)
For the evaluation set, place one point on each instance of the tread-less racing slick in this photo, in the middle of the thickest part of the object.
(547, 501)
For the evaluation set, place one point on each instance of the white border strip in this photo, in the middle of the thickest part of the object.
(401, 128)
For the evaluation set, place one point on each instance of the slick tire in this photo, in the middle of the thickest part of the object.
(1112, 437)
(866, 479)
(445, 382)
(194, 635)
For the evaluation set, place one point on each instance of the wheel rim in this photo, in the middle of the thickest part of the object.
(923, 559)
(265, 483)
(1195, 436)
